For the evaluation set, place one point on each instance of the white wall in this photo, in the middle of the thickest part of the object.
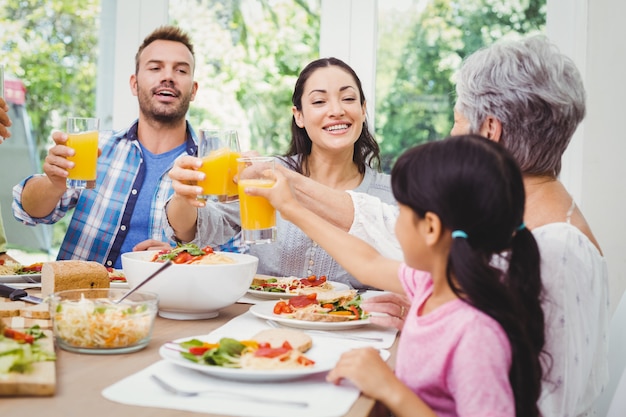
(129, 22)
(349, 32)
(592, 33)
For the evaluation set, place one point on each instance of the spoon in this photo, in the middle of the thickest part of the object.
(154, 274)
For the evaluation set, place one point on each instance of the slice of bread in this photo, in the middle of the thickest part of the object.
(276, 337)
(334, 296)
(308, 315)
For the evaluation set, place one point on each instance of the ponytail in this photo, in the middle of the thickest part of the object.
(512, 298)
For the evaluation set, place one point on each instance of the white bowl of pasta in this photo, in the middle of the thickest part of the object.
(192, 289)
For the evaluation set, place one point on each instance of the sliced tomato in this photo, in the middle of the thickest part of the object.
(18, 336)
(183, 258)
(279, 306)
(36, 267)
(303, 360)
(313, 281)
(269, 352)
(300, 301)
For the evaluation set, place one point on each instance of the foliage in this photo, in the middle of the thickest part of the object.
(248, 56)
(416, 102)
(52, 46)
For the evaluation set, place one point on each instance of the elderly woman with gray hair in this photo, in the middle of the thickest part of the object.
(529, 97)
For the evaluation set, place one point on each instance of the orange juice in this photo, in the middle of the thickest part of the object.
(219, 170)
(231, 185)
(85, 144)
(256, 212)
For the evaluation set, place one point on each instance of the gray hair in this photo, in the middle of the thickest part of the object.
(535, 91)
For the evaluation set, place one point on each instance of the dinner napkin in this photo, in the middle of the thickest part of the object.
(325, 399)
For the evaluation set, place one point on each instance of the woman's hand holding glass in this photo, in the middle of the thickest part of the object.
(185, 175)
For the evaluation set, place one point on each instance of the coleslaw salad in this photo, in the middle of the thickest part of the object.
(99, 324)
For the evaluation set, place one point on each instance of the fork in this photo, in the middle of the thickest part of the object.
(275, 325)
(237, 395)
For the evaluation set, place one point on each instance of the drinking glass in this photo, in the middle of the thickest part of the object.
(83, 138)
(219, 150)
(258, 216)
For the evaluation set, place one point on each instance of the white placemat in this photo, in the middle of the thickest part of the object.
(325, 399)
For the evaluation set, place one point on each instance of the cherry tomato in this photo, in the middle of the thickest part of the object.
(182, 258)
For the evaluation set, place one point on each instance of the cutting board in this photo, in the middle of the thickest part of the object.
(39, 382)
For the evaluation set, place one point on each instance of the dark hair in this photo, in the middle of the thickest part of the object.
(164, 33)
(474, 185)
(366, 150)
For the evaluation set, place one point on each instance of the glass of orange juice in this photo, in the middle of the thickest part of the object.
(83, 138)
(258, 216)
(219, 150)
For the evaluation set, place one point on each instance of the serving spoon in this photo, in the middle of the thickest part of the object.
(165, 265)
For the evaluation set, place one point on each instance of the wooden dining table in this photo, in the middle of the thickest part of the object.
(82, 377)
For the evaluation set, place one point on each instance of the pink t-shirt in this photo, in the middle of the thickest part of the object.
(456, 358)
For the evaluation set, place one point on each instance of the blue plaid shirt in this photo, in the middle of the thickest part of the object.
(101, 216)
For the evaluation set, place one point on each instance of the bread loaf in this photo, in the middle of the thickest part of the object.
(276, 337)
(72, 275)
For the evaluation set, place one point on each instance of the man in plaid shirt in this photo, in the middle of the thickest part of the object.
(125, 210)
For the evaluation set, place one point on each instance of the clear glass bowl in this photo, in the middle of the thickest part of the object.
(87, 321)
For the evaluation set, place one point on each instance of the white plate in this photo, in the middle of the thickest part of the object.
(20, 278)
(336, 286)
(265, 310)
(325, 360)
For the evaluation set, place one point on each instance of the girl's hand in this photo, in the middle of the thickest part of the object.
(394, 307)
(184, 175)
(367, 371)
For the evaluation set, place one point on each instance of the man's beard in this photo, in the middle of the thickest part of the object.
(163, 113)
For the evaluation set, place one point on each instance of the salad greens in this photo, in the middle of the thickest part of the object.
(190, 248)
(227, 354)
(17, 356)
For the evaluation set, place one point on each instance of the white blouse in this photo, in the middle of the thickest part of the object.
(575, 280)
(576, 308)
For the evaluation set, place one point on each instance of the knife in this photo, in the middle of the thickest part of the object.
(18, 294)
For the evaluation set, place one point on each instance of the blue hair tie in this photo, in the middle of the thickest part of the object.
(459, 233)
(521, 227)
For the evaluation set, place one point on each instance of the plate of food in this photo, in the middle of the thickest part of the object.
(276, 288)
(270, 355)
(16, 272)
(335, 310)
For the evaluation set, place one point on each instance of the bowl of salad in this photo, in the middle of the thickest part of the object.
(90, 320)
(199, 283)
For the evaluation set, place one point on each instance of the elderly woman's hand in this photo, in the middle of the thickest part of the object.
(394, 307)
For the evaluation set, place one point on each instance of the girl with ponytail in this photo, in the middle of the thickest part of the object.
(473, 335)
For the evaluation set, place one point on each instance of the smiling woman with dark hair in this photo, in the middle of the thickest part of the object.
(332, 151)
